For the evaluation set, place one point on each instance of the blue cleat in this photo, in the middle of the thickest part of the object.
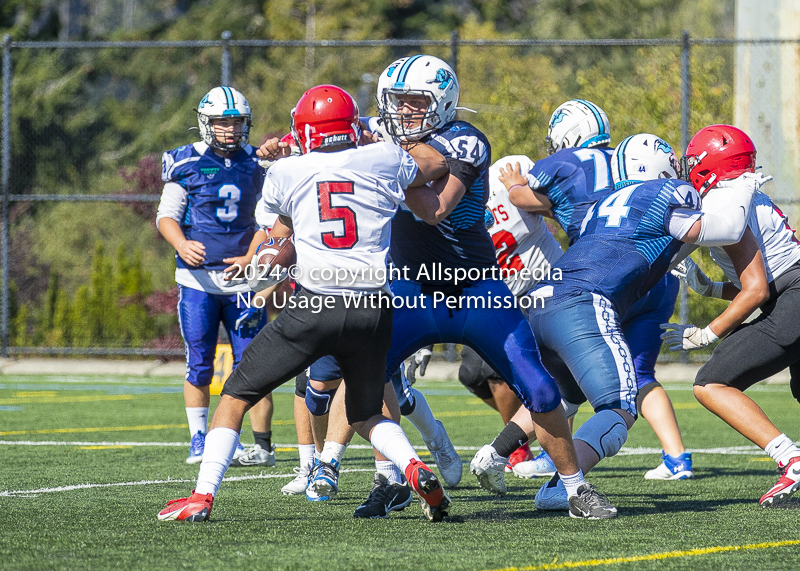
(196, 447)
(672, 468)
(323, 482)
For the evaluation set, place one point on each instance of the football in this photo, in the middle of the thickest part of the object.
(271, 253)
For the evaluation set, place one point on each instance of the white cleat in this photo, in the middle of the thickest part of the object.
(255, 456)
(540, 466)
(489, 467)
(552, 498)
(447, 459)
(300, 482)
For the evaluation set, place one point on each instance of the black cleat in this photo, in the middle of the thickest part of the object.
(384, 498)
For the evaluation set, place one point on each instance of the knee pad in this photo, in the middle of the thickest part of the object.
(319, 402)
(300, 383)
(402, 388)
(605, 432)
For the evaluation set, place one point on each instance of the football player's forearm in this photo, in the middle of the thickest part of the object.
(171, 231)
(282, 228)
(430, 162)
(258, 237)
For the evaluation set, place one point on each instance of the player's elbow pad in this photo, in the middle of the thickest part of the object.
(722, 229)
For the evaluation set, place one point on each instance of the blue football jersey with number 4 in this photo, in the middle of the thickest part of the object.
(625, 245)
(221, 201)
(573, 179)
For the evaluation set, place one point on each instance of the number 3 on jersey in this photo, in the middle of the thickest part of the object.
(343, 214)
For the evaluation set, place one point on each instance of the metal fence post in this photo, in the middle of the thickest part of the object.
(454, 51)
(226, 58)
(6, 188)
(686, 85)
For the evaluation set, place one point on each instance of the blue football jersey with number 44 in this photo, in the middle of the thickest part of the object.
(221, 199)
(625, 245)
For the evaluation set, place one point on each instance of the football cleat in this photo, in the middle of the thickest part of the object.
(433, 499)
(788, 484)
(300, 482)
(447, 459)
(488, 466)
(255, 456)
(196, 507)
(521, 454)
(383, 499)
(590, 504)
(542, 465)
(323, 483)
(196, 447)
(552, 496)
(239, 452)
(672, 468)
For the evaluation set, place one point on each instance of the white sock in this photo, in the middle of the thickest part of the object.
(198, 419)
(572, 483)
(332, 451)
(220, 446)
(782, 449)
(389, 439)
(306, 454)
(422, 418)
(388, 469)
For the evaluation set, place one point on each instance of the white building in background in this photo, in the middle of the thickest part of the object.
(767, 93)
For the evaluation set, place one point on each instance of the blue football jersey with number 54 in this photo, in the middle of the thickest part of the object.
(221, 201)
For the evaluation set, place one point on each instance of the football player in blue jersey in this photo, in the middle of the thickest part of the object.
(207, 213)
(448, 264)
(564, 185)
(628, 240)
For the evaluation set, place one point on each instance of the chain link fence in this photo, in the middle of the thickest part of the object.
(83, 125)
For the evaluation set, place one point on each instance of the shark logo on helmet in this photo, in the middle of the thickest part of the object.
(663, 146)
(557, 118)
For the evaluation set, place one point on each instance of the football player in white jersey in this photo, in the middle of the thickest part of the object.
(719, 159)
(207, 214)
(339, 199)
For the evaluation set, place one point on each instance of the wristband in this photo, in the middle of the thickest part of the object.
(516, 185)
(715, 290)
(709, 335)
(178, 249)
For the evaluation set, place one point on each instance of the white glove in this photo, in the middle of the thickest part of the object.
(419, 360)
(686, 337)
(751, 180)
(260, 277)
(694, 277)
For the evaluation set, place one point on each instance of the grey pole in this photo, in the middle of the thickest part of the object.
(454, 51)
(226, 58)
(6, 188)
(686, 85)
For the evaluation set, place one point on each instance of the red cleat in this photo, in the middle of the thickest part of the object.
(196, 507)
(521, 454)
(432, 498)
(788, 483)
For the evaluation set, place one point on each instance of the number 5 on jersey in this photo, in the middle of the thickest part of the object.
(343, 214)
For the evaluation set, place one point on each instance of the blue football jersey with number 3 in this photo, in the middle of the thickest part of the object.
(625, 245)
(573, 179)
(222, 197)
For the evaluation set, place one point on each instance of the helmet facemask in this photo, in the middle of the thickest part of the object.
(209, 136)
(394, 120)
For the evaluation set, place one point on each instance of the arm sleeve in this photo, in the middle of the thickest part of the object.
(681, 221)
(725, 214)
(464, 172)
(408, 169)
(173, 202)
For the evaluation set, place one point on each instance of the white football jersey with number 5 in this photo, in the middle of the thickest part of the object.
(341, 205)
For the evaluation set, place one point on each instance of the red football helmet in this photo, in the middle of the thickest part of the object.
(715, 153)
(325, 115)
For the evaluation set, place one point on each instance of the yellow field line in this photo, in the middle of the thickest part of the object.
(652, 557)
